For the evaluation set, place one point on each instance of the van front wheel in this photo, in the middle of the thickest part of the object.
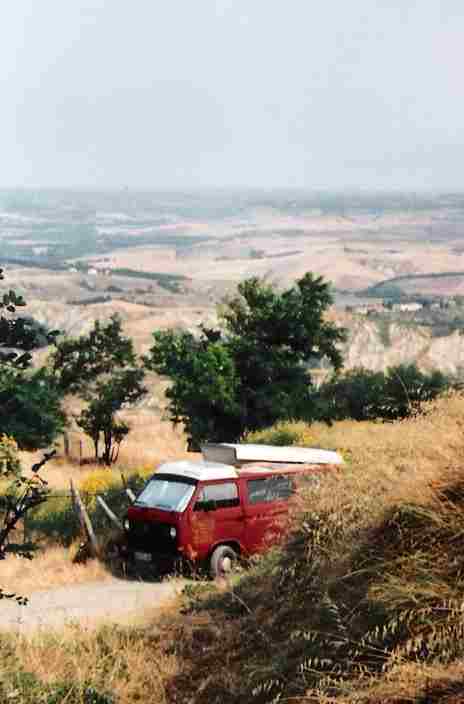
(223, 560)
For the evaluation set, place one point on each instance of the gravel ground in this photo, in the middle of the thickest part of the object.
(115, 600)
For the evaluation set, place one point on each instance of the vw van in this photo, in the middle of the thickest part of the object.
(209, 513)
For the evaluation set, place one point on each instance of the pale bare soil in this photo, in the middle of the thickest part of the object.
(90, 604)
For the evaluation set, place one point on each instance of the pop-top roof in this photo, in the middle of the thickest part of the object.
(203, 471)
(244, 452)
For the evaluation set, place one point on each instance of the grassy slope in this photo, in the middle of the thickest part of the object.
(362, 605)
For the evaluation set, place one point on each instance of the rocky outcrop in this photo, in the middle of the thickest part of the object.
(377, 344)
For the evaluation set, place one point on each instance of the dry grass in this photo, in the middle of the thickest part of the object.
(52, 567)
(124, 661)
(150, 442)
(362, 606)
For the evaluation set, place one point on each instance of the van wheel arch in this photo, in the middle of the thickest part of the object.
(223, 558)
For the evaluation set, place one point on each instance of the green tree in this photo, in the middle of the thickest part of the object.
(356, 394)
(406, 388)
(30, 403)
(30, 408)
(24, 493)
(254, 369)
(99, 420)
(362, 394)
(203, 394)
(78, 362)
(13, 331)
(102, 369)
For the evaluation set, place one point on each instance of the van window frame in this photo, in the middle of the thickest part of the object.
(212, 504)
(273, 499)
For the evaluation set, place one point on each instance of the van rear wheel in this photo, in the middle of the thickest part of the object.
(223, 560)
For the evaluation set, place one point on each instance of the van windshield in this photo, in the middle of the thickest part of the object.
(168, 493)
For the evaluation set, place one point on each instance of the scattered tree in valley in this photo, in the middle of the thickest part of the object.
(101, 368)
(254, 369)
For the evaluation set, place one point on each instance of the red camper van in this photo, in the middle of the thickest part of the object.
(211, 513)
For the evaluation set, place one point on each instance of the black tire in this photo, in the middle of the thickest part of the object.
(222, 562)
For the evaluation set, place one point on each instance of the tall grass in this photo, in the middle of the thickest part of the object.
(368, 595)
(364, 604)
(85, 666)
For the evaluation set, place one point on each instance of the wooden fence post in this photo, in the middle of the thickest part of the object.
(84, 520)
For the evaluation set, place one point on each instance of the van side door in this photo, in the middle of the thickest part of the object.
(267, 510)
(216, 516)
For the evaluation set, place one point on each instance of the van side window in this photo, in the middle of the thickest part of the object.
(224, 495)
(278, 488)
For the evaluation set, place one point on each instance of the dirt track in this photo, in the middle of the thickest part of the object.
(85, 604)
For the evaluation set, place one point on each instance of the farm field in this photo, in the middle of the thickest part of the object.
(194, 247)
(165, 260)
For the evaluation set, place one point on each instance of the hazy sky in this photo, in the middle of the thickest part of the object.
(195, 93)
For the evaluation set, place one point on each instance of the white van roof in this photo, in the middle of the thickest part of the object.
(238, 454)
(203, 471)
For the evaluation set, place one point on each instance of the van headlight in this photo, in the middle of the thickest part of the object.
(172, 532)
(126, 524)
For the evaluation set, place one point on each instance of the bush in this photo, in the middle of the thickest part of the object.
(56, 519)
(297, 433)
(100, 481)
(362, 394)
(282, 433)
(25, 688)
(9, 460)
(30, 408)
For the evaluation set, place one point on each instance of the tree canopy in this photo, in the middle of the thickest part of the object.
(254, 368)
(102, 369)
(30, 408)
(30, 403)
(362, 394)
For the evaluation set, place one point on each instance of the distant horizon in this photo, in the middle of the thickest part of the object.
(314, 190)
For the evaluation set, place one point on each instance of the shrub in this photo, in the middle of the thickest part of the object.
(143, 472)
(55, 520)
(99, 481)
(282, 433)
(24, 687)
(362, 394)
(9, 460)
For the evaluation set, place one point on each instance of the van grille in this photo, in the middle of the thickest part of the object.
(151, 537)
